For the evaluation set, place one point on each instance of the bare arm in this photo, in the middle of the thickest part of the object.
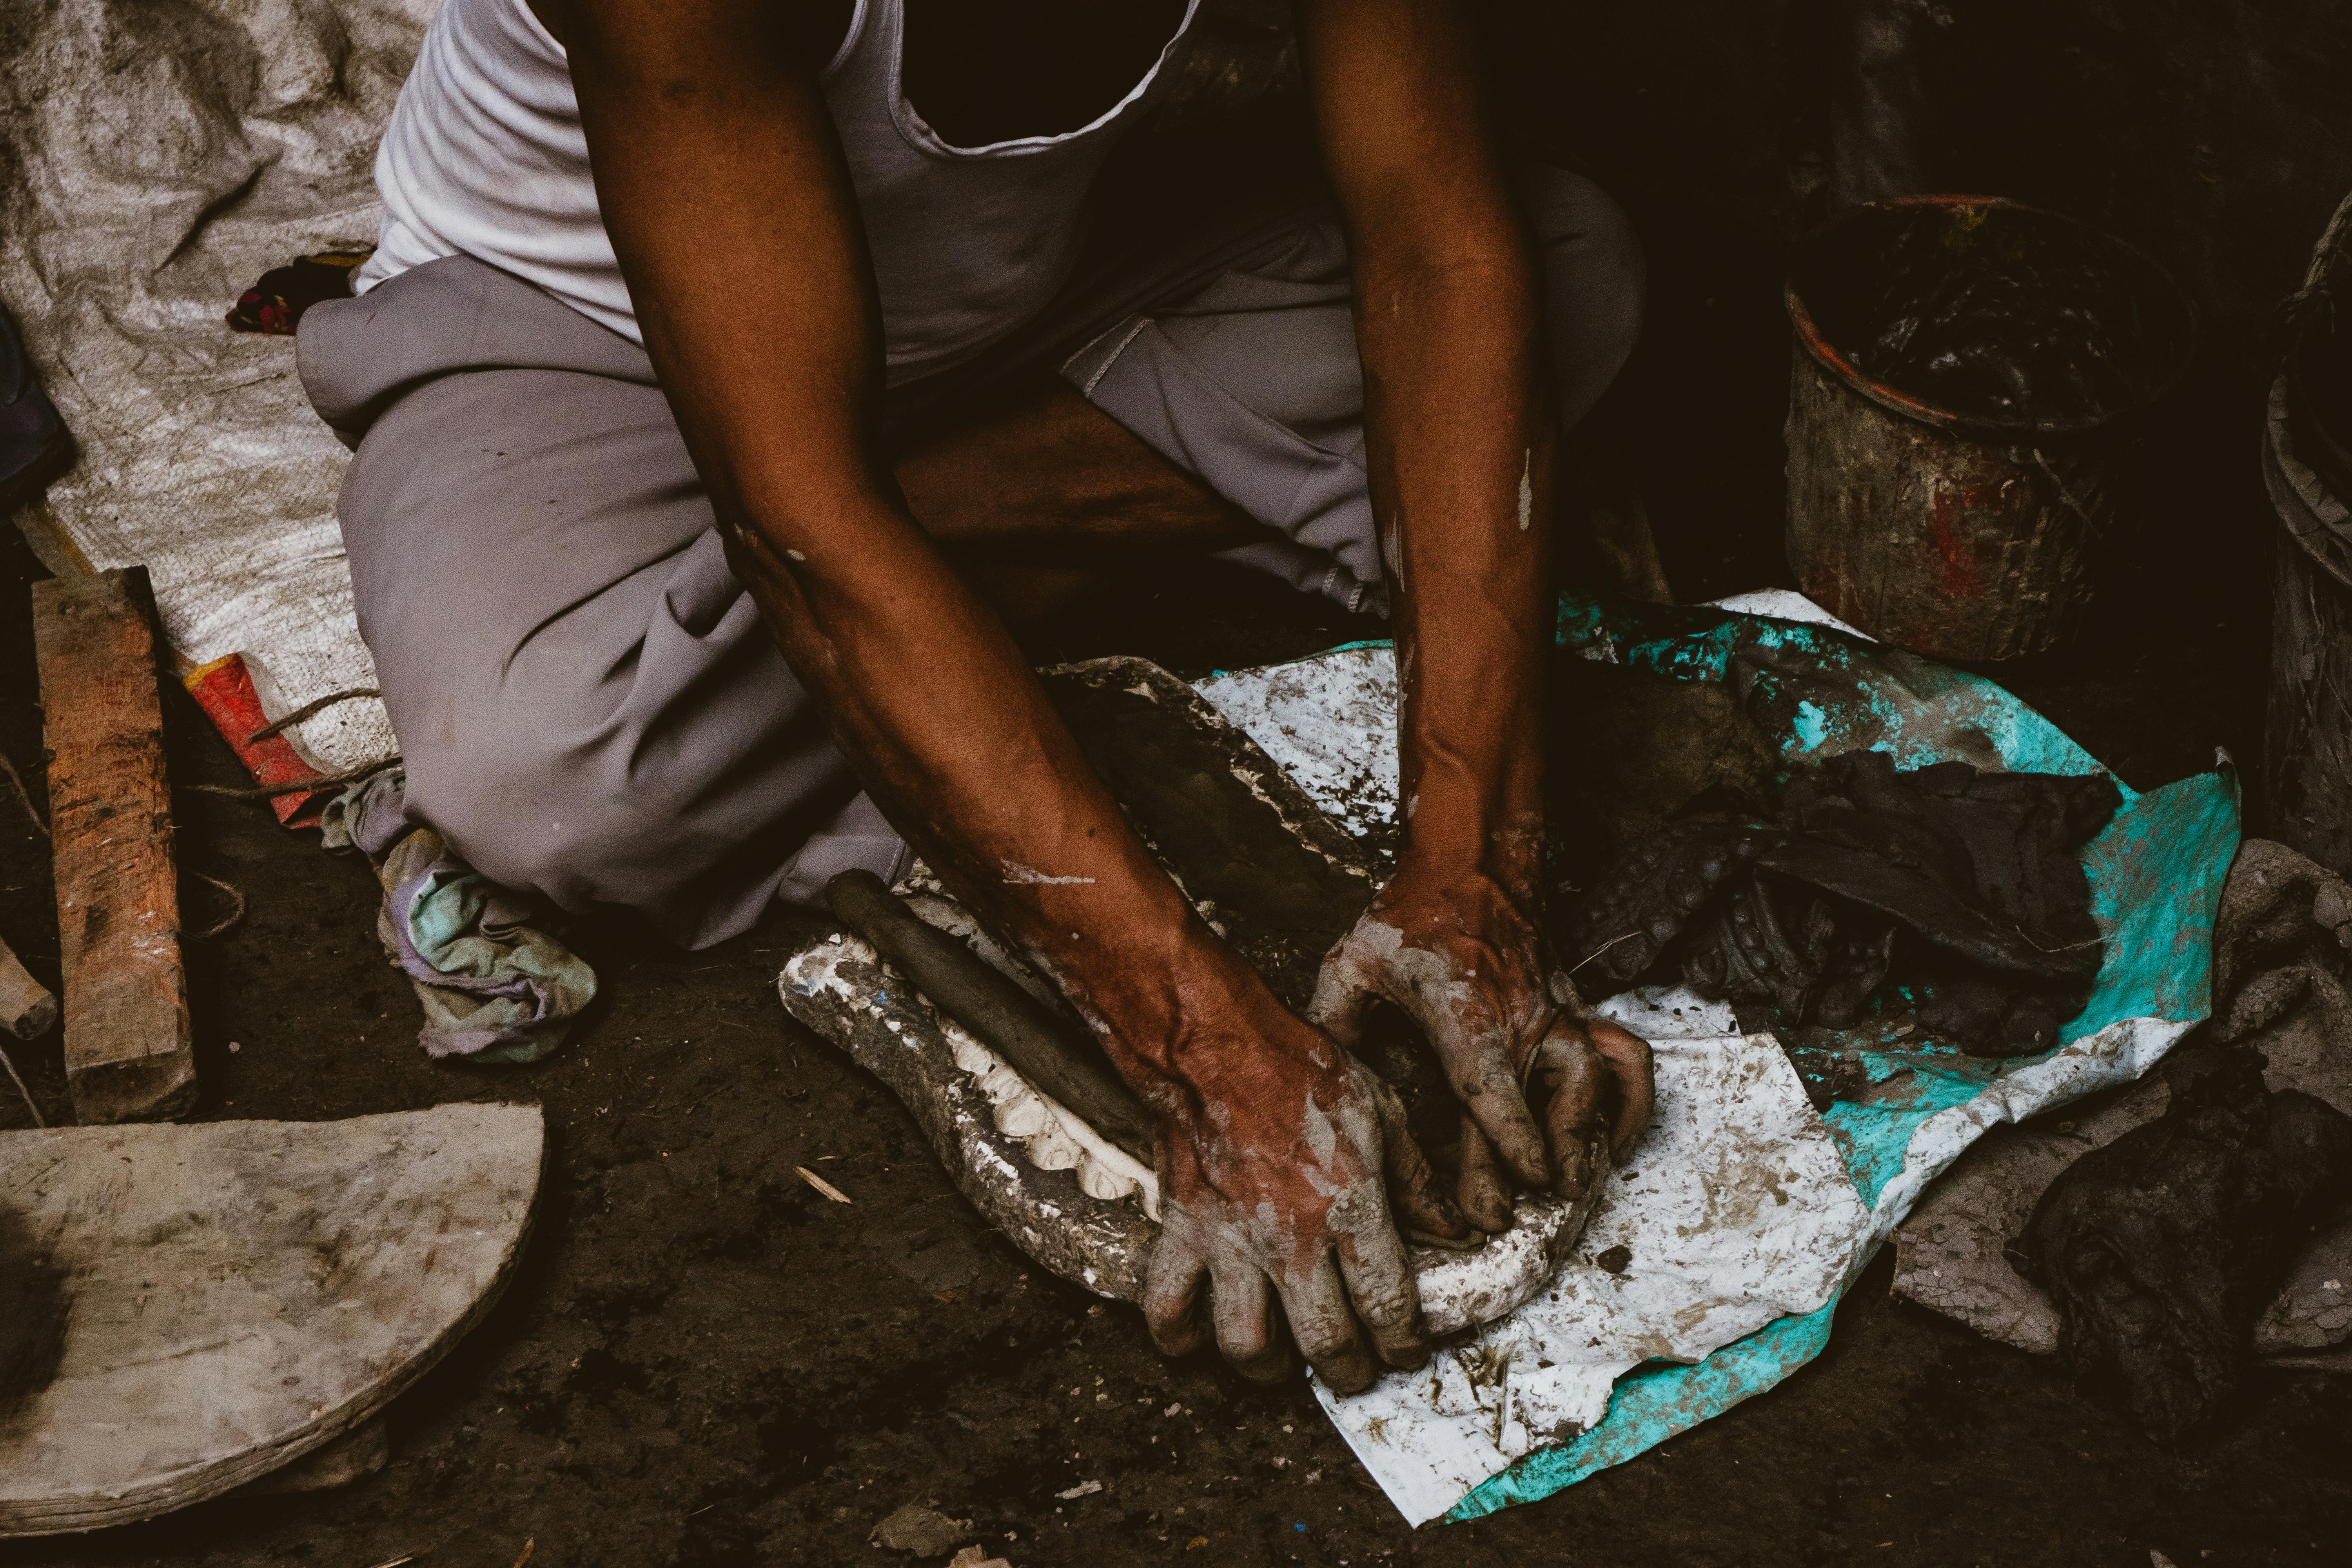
(1460, 431)
(724, 191)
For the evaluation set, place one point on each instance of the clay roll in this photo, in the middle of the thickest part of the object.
(1046, 1050)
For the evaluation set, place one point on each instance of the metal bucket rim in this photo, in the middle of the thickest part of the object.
(2299, 476)
(1900, 402)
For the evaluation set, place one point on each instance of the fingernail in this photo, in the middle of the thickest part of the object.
(1408, 1357)
(1581, 1159)
(1489, 1207)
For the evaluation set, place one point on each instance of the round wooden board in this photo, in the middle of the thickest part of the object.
(236, 1294)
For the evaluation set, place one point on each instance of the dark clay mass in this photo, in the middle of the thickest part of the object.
(1630, 752)
(1966, 886)
(2161, 1247)
(1284, 900)
(1994, 314)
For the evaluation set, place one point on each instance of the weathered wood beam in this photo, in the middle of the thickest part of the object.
(126, 998)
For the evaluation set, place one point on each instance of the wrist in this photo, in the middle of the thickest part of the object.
(1454, 839)
(1180, 1006)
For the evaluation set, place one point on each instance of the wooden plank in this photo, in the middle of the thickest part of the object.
(228, 1297)
(126, 997)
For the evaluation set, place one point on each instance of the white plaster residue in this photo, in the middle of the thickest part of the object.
(1669, 1013)
(1460, 1288)
(1018, 874)
(1734, 1210)
(1527, 489)
(1785, 604)
(1052, 1137)
(1330, 721)
(819, 969)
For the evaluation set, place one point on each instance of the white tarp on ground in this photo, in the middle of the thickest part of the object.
(156, 157)
(1716, 1246)
(1735, 1211)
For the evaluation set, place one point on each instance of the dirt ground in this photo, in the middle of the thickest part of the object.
(703, 1362)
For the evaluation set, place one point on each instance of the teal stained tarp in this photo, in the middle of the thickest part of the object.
(2156, 877)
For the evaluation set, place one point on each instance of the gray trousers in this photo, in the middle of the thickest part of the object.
(586, 702)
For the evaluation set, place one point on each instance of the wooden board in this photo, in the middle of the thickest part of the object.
(237, 1294)
(126, 997)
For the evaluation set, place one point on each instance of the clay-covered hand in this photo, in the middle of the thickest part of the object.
(1271, 1190)
(1541, 1082)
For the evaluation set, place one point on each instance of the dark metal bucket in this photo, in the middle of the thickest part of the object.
(1954, 525)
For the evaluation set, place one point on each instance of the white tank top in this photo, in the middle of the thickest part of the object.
(485, 157)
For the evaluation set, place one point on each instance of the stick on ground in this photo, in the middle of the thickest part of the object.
(26, 1008)
(126, 1000)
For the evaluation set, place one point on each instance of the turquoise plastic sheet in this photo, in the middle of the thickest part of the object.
(2156, 875)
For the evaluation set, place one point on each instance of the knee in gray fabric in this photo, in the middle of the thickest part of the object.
(521, 803)
(1595, 280)
(1573, 216)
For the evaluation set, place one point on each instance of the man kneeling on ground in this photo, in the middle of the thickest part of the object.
(725, 378)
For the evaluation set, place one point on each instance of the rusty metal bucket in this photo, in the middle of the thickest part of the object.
(1948, 497)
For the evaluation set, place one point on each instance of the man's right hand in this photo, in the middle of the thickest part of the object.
(1278, 1157)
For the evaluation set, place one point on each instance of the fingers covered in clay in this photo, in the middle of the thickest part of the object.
(1490, 1092)
(1467, 967)
(1423, 1211)
(1172, 1291)
(1628, 1058)
(1326, 1328)
(1473, 1043)
(1484, 1188)
(1576, 1108)
(1242, 1309)
(1382, 1293)
(1276, 1176)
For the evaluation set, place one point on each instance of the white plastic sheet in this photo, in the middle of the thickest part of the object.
(159, 157)
(1734, 1211)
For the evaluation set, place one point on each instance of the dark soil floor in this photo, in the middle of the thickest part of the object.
(704, 1362)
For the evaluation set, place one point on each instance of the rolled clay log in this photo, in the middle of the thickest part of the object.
(1003, 1016)
(27, 1009)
